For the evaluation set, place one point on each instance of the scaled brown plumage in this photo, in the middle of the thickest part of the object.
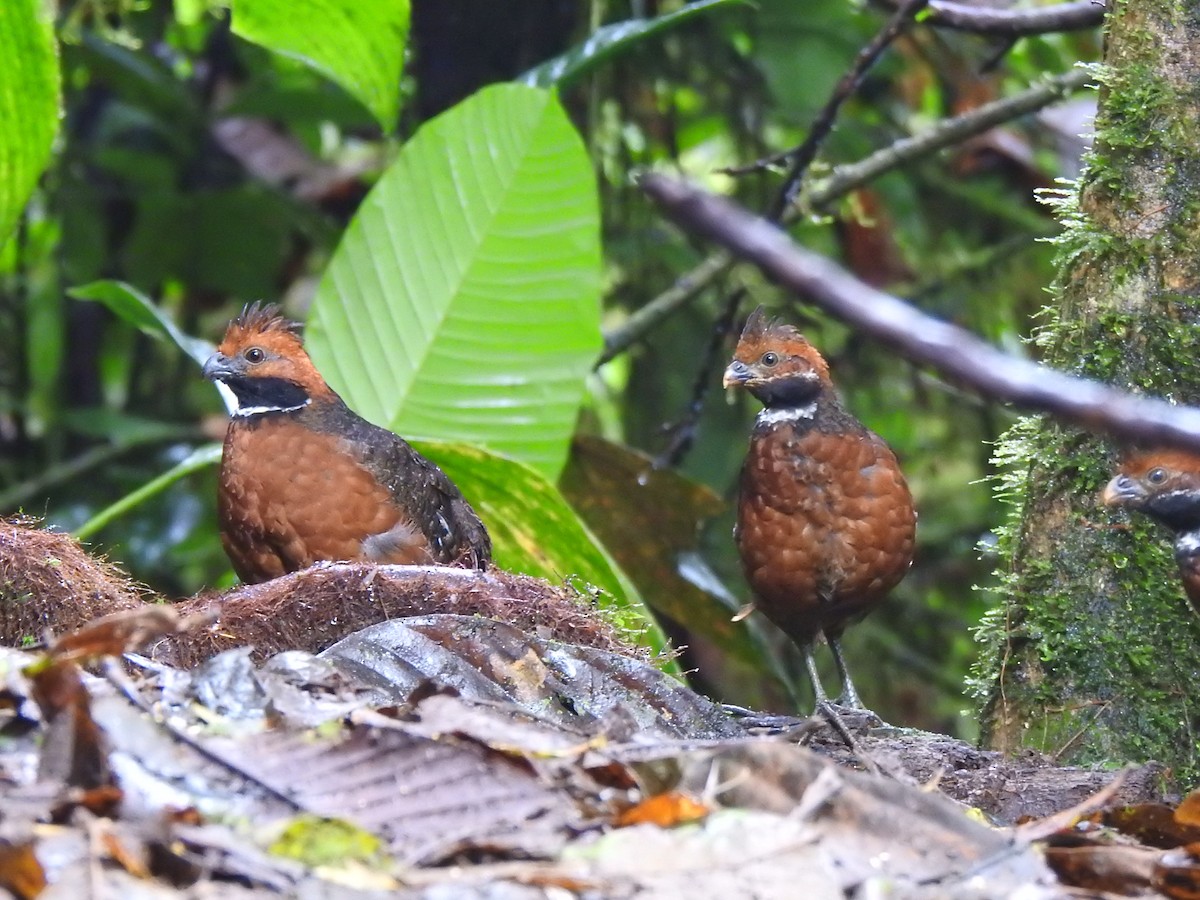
(1165, 485)
(825, 519)
(304, 478)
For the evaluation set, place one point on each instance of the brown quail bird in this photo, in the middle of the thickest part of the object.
(1165, 485)
(825, 524)
(304, 478)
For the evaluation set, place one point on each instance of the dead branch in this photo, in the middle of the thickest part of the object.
(951, 350)
(841, 181)
(1014, 23)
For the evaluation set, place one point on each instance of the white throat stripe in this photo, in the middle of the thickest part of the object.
(244, 412)
(1188, 543)
(786, 414)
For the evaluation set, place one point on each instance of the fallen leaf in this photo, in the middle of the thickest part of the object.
(1098, 867)
(121, 632)
(130, 861)
(664, 810)
(321, 841)
(1177, 873)
(20, 872)
(1154, 824)
(73, 751)
(1188, 811)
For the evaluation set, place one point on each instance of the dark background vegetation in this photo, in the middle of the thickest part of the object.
(144, 188)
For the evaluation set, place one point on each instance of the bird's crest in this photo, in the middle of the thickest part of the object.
(262, 324)
(258, 318)
(762, 333)
(1139, 462)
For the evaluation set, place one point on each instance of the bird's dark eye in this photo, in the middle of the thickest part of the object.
(1157, 476)
(254, 355)
(770, 358)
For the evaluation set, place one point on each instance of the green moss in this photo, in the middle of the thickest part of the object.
(319, 841)
(1140, 105)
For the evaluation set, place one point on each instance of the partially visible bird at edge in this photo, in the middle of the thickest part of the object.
(305, 479)
(1165, 485)
(825, 520)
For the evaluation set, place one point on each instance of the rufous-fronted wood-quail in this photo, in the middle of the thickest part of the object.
(825, 524)
(304, 478)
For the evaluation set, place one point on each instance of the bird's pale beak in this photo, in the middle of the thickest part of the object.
(737, 374)
(218, 367)
(1122, 491)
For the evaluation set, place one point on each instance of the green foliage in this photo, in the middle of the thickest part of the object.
(463, 302)
(359, 44)
(29, 103)
(608, 42)
(201, 458)
(451, 272)
(139, 311)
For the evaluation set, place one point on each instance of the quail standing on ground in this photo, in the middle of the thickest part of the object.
(825, 524)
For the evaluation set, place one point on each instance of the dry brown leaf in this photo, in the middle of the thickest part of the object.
(426, 798)
(73, 751)
(128, 859)
(120, 632)
(20, 872)
(1153, 824)
(1177, 873)
(665, 810)
(1188, 811)
(1114, 868)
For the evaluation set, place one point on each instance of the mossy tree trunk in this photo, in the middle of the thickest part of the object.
(1094, 653)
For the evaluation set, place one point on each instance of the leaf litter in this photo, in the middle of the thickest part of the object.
(444, 755)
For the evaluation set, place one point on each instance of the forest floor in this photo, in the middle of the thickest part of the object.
(454, 755)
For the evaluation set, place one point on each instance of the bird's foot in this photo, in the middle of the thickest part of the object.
(854, 716)
(834, 715)
(772, 724)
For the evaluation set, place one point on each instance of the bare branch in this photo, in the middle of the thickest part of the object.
(952, 350)
(841, 181)
(946, 133)
(1015, 23)
(803, 156)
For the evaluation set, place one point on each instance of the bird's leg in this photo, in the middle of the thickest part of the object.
(849, 695)
(813, 676)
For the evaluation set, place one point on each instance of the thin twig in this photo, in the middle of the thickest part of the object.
(1024, 835)
(830, 713)
(946, 133)
(840, 182)
(951, 350)
(92, 458)
(803, 156)
(683, 432)
(1041, 829)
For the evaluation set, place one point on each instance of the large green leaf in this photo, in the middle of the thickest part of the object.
(612, 40)
(463, 302)
(29, 103)
(649, 519)
(359, 44)
(535, 531)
